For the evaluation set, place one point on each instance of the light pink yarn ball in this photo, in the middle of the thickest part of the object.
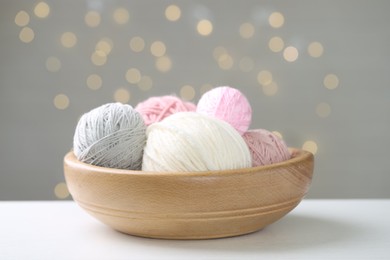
(227, 104)
(155, 109)
(265, 147)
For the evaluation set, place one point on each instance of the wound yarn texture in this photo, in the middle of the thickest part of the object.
(112, 135)
(227, 104)
(265, 147)
(188, 141)
(155, 109)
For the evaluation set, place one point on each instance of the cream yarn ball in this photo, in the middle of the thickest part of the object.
(189, 141)
(112, 135)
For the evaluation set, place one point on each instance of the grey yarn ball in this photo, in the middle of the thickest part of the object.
(112, 135)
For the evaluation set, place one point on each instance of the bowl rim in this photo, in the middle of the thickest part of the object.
(297, 155)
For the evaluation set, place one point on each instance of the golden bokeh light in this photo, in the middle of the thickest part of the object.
(105, 45)
(137, 44)
(276, 20)
(99, 58)
(92, 18)
(94, 82)
(173, 13)
(145, 83)
(204, 27)
(22, 18)
(163, 64)
(187, 93)
(53, 64)
(276, 44)
(218, 52)
(264, 77)
(270, 89)
(225, 61)
(310, 146)
(42, 10)
(121, 16)
(68, 39)
(61, 101)
(278, 134)
(61, 190)
(205, 87)
(331, 81)
(122, 95)
(315, 49)
(290, 54)
(158, 49)
(323, 109)
(133, 75)
(26, 35)
(246, 64)
(247, 30)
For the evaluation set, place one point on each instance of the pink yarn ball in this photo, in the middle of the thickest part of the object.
(227, 104)
(265, 147)
(155, 109)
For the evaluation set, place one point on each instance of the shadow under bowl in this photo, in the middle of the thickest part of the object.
(190, 205)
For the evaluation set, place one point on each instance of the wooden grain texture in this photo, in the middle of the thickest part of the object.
(191, 205)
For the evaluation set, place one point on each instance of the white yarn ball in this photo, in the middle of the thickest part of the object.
(188, 141)
(112, 135)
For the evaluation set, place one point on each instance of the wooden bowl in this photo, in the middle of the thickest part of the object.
(190, 205)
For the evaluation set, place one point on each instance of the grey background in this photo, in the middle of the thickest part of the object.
(352, 160)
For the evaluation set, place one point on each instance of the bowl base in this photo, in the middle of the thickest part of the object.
(190, 228)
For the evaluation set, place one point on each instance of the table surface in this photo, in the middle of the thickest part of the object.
(316, 229)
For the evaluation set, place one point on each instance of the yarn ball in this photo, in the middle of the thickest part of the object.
(188, 142)
(155, 109)
(227, 104)
(265, 147)
(112, 135)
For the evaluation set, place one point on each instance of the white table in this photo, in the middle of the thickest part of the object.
(316, 229)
